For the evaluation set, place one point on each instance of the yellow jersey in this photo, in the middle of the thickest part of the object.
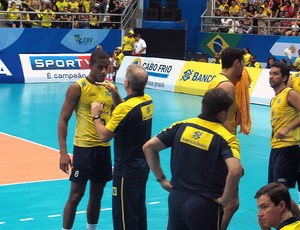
(85, 131)
(296, 81)
(233, 108)
(281, 115)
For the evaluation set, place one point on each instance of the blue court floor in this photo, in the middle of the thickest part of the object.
(31, 111)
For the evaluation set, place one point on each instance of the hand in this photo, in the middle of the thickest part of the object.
(109, 86)
(64, 162)
(282, 133)
(96, 108)
(166, 185)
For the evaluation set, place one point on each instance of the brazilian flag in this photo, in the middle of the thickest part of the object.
(215, 42)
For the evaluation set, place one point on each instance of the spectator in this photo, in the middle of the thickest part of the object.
(294, 31)
(34, 6)
(61, 4)
(253, 62)
(55, 22)
(193, 191)
(130, 126)
(140, 47)
(274, 208)
(95, 21)
(247, 56)
(26, 22)
(261, 22)
(12, 16)
(256, 5)
(47, 17)
(296, 6)
(128, 43)
(115, 7)
(288, 8)
(284, 25)
(18, 3)
(216, 21)
(233, 26)
(4, 4)
(73, 5)
(83, 19)
(223, 5)
(234, 9)
(115, 62)
(242, 11)
(87, 5)
(271, 60)
(65, 19)
(47, 3)
(217, 59)
(226, 21)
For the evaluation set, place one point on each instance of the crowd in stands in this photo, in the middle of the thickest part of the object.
(275, 17)
(94, 14)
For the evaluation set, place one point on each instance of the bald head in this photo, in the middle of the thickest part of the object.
(137, 77)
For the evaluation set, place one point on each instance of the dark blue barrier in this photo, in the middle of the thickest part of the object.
(47, 41)
(11, 69)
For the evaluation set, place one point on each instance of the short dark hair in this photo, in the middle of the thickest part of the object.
(215, 101)
(98, 54)
(229, 55)
(284, 69)
(277, 193)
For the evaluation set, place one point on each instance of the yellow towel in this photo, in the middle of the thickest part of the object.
(243, 103)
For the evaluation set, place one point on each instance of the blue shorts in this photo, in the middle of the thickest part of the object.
(283, 165)
(190, 211)
(93, 163)
(129, 208)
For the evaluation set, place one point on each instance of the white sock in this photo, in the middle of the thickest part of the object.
(66, 228)
(299, 196)
(91, 226)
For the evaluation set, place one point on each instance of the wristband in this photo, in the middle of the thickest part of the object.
(163, 177)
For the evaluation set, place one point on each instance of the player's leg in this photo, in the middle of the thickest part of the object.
(76, 194)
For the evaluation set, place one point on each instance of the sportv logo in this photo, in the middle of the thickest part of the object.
(59, 62)
(83, 40)
(196, 76)
(4, 70)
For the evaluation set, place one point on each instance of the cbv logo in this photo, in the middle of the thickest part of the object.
(4, 70)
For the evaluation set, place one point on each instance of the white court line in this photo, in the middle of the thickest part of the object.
(26, 219)
(55, 215)
(155, 202)
(2, 222)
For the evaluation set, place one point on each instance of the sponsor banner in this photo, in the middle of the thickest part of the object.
(195, 77)
(10, 69)
(55, 68)
(163, 73)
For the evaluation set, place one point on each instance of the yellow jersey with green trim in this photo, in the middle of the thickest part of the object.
(281, 115)
(296, 81)
(199, 148)
(128, 43)
(220, 78)
(131, 121)
(289, 224)
(85, 131)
